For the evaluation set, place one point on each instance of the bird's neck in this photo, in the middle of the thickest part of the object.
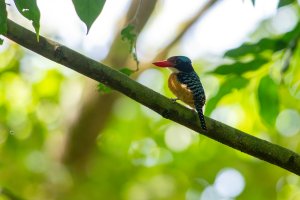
(187, 68)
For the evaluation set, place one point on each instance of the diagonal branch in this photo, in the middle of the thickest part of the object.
(218, 131)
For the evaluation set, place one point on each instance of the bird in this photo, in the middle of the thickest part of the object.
(185, 84)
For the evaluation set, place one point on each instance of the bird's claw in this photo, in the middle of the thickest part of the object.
(174, 99)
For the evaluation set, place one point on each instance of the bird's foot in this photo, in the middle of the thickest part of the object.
(174, 99)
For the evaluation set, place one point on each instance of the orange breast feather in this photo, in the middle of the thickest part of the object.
(180, 90)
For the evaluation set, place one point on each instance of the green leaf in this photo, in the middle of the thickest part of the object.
(268, 100)
(3, 19)
(103, 88)
(30, 10)
(256, 48)
(233, 83)
(127, 71)
(129, 35)
(239, 68)
(253, 2)
(292, 34)
(282, 3)
(88, 10)
(273, 44)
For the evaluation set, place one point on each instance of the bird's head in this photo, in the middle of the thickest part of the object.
(177, 64)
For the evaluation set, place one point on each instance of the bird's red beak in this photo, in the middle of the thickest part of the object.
(163, 63)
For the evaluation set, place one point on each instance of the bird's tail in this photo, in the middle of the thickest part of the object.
(201, 116)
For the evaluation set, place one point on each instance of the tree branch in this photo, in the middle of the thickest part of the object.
(218, 131)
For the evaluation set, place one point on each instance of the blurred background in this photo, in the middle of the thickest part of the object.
(60, 138)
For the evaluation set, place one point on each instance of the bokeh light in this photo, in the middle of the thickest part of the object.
(229, 183)
(179, 138)
(288, 122)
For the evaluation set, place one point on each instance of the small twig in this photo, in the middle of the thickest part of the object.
(133, 20)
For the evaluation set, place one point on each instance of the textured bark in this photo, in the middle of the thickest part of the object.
(218, 131)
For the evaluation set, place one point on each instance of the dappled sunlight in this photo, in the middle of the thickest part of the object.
(229, 183)
(288, 122)
(147, 153)
(179, 138)
(49, 113)
(124, 109)
(157, 187)
(285, 20)
(61, 137)
(229, 114)
(153, 79)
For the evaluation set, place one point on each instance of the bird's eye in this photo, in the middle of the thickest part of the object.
(178, 61)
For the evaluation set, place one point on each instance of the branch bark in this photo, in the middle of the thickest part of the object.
(218, 131)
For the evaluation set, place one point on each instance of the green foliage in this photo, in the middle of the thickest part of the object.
(3, 19)
(282, 3)
(231, 84)
(270, 44)
(256, 48)
(289, 36)
(129, 35)
(88, 10)
(253, 2)
(239, 68)
(30, 10)
(127, 71)
(260, 54)
(268, 99)
(103, 88)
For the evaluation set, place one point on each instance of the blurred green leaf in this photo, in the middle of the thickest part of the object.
(127, 71)
(273, 44)
(3, 19)
(253, 2)
(233, 83)
(30, 10)
(103, 88)
(268, 100)
(262, 45)
(239, 68)
(129, 35)
(292, 34)
(88, 10)
(282, 3)
(9, 194)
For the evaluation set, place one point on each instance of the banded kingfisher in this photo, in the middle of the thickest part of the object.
(185, 84)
